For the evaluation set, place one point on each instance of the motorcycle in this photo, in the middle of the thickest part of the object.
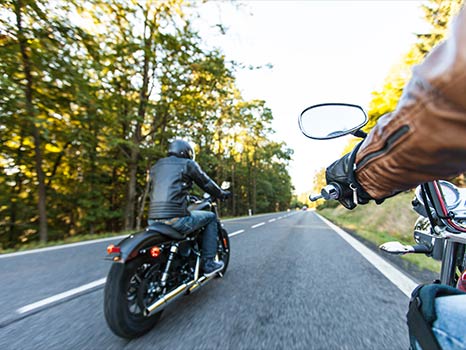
(440, 230)
(153, 268)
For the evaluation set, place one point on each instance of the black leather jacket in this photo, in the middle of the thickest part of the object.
(171, 180)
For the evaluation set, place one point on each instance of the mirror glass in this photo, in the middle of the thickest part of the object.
(395, 248)
(331, 120)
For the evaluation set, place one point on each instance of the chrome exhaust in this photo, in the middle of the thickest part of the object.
(161, 303)
(190, 287)
(200, 282)
(167, 299)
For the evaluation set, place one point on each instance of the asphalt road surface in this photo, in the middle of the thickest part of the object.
(293, 282)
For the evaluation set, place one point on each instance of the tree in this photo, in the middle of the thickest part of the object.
(92, 92)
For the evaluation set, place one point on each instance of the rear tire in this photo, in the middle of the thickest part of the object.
(125, 297)
(223, 249)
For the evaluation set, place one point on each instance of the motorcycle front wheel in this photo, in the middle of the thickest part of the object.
(129, 289)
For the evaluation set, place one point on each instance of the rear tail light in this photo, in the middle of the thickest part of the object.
(154, 252)
(113, 249)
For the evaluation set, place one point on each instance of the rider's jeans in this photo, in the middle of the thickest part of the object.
(450, 326)
(196, 220)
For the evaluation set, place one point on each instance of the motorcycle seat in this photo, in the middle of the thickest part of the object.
(165, 230)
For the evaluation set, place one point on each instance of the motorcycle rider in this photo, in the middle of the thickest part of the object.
(171, 179)
(424, 139)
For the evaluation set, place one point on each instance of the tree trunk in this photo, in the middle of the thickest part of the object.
(142, 203)
(233, 187)
(131, 193)
(42, 203)
(137, 139)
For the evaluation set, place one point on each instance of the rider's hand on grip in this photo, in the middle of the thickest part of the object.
(341, 172)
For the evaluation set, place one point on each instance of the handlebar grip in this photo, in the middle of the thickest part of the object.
(315, 197)
(331, 191)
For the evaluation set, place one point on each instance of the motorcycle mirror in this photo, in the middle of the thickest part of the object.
(331, 120)
(396, 248)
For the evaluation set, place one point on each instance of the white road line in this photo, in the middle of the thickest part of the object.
(58, 297)
(235, 233)
(272, 220)
(399, 279)
(257, 225)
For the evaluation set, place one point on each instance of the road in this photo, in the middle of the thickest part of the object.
(293, 283)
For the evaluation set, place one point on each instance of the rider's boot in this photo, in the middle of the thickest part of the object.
(211, 267)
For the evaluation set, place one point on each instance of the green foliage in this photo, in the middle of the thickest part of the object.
(102, 87)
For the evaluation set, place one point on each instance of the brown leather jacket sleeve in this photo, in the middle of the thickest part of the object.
(425, 137)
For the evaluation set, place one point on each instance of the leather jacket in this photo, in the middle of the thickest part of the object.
(425, 137)
(171, 180)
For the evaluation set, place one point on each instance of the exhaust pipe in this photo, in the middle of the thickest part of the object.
(189, 287)
(167, 299)
(161, 303)
(200, 282)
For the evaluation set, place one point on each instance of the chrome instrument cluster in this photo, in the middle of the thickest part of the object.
(455, 198)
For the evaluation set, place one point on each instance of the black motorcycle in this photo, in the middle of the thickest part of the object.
(153, 268)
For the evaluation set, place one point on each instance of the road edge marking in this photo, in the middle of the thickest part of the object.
(398, 278)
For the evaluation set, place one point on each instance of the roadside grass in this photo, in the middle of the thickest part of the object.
(72, 239)
(392, 221)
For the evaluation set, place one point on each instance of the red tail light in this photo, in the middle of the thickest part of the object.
(113, 249)
(154, 252)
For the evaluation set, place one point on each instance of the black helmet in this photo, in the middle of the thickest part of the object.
(180, 149)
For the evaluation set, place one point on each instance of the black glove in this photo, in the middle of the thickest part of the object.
(341, 172)
(225, 195)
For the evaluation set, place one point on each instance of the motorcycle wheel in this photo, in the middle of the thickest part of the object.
(223, 249)
(129, 288)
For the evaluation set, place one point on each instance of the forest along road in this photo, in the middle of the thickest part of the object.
(293, 283)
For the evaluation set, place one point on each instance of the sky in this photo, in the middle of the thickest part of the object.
(321, 51)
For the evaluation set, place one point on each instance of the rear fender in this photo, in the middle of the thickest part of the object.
(131, 246)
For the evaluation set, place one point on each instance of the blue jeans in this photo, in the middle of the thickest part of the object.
(450, 326)
(198, 219)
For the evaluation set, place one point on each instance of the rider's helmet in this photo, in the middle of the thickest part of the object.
(181, 149)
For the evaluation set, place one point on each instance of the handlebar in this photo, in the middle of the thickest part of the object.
(331, 191)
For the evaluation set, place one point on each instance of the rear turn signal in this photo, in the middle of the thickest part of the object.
(154, 252)
(113, 249)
